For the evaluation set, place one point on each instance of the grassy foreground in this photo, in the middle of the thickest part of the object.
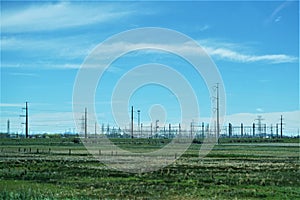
(62, 169)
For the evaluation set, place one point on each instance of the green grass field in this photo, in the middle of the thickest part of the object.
(47, 169)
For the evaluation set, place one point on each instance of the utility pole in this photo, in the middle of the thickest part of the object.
(156, 126)
(169, 131)
(202, 129)
(26, 119)
(281, 119)
(131, 121)
(191, 130)
(8, 127)
(179, 127)
(230, 130)
(85, 123)
(27, 128)
(218, 109)
(138, 112)
(242, 130)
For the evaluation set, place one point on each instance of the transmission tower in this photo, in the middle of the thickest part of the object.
(259, 124)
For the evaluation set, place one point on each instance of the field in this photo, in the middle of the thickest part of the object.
(59, 168)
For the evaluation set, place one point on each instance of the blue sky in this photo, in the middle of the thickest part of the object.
(255, 46)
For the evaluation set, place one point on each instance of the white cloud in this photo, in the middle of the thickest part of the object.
(66, 51)
(11, 105)
(242, 53)
(39, 65)
(276, 11)
(278, 19)
(24, 74)
(231, 55)
(53, 16)
(218, 50)
(219, 53)
(259, 110)
(204, 28)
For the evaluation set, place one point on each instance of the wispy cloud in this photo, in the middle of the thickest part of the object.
(65, 51)
(242, 53)
(278, 19)
(11, 105)
(203, 28)
(276, 11)
(231, 55)
(259, 110)
(24, 74)
(55, 50)
(217, 50)
(39, 65)
(53, 16)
